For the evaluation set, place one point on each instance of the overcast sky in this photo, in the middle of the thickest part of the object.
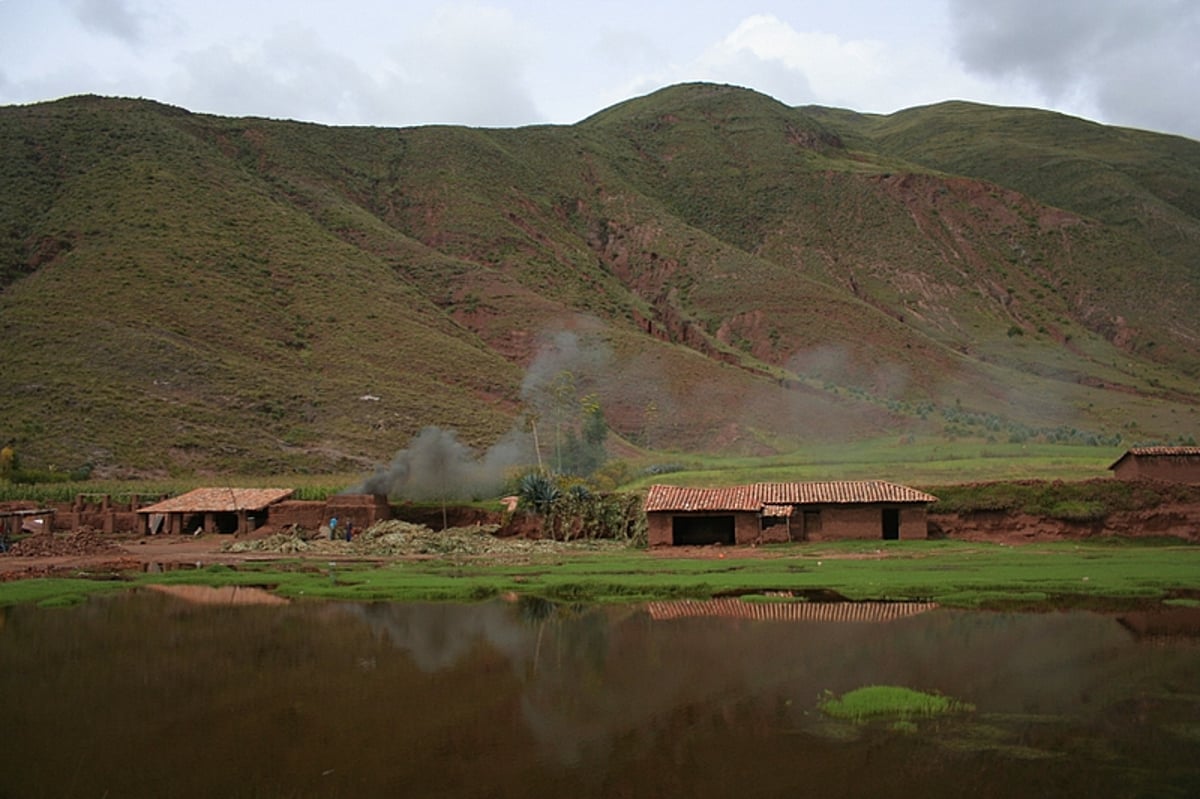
(518, 62)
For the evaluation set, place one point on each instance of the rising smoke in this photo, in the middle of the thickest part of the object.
(436, 465)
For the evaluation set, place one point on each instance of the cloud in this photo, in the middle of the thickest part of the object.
(1124, 60)
(112, 17)
(467, 63)
(463, 63)
(796, 66)
(289, 75)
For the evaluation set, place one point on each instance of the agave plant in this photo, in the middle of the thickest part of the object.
(538, 491)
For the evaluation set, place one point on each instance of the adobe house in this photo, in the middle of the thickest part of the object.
(1173, 464)
(780, 512)
(211, 510)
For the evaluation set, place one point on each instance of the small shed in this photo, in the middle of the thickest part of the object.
(1173, 464)
(211, 510)
(779, 512)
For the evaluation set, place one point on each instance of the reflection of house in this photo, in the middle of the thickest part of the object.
(1176, 464)
(776, 512)
(734, 608)
(211, 510)
(220, 595)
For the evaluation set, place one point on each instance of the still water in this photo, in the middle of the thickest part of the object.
(202, 693)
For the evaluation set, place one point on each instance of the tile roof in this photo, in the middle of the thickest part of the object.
(755, 497)
(1159, 452)
(219, 500)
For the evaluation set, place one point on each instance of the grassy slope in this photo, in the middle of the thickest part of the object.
(169, 318)
(223, 291)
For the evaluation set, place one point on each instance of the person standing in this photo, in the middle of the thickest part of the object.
(333, 529)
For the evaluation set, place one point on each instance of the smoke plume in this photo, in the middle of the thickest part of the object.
(436, 465)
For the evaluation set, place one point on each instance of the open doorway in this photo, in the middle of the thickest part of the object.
(702, 530)
(891, 524)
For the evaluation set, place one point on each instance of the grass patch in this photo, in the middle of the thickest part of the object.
(875, 701)
(51, 592)
(1083, 500)
(953, 574)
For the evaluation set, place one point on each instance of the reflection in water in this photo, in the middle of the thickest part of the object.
(148, 695)
(220, 595)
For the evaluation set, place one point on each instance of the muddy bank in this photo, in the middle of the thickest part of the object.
(1180, 521)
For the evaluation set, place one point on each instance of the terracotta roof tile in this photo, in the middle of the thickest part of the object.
(219, 500)
(754, 498)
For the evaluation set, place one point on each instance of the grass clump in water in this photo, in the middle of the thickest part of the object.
(877, 701)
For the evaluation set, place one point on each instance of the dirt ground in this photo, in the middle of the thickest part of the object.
(121, 553)
(89, 551)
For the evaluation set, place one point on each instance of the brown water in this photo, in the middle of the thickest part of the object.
(209, 695)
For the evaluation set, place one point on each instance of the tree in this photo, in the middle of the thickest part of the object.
(8, 461)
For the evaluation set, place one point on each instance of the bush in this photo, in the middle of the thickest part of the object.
(1078, 511)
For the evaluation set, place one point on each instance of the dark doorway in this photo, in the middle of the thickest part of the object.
(891, 524)
(226, 522)
(700, 530)
(812, 524)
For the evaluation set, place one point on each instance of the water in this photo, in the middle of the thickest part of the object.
(209, 694)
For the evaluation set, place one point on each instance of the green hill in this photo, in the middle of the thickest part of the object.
(720, 272)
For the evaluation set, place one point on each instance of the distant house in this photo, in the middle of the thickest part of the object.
(1174, 464)
(211, 510)
(778, 512)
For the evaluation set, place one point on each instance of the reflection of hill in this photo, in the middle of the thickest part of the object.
(1173, 623)
(787, 611)
(535, 699)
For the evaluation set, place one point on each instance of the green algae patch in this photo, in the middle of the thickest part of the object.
(890, 702)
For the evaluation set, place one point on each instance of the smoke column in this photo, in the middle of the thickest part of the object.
(436, 465)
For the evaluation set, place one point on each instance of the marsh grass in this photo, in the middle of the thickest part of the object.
(875, 701)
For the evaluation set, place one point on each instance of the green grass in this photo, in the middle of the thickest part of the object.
(874, 701)
(919, 462)
(954, 574)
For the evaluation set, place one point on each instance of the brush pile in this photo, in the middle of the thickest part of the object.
(403, 539)
(85, 541)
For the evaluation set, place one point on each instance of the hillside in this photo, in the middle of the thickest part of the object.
(716, 271)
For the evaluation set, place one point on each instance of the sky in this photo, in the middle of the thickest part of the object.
(504, 63)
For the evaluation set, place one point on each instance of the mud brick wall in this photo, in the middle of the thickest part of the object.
(1171, 469)
(305, 514)
(362, 510)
